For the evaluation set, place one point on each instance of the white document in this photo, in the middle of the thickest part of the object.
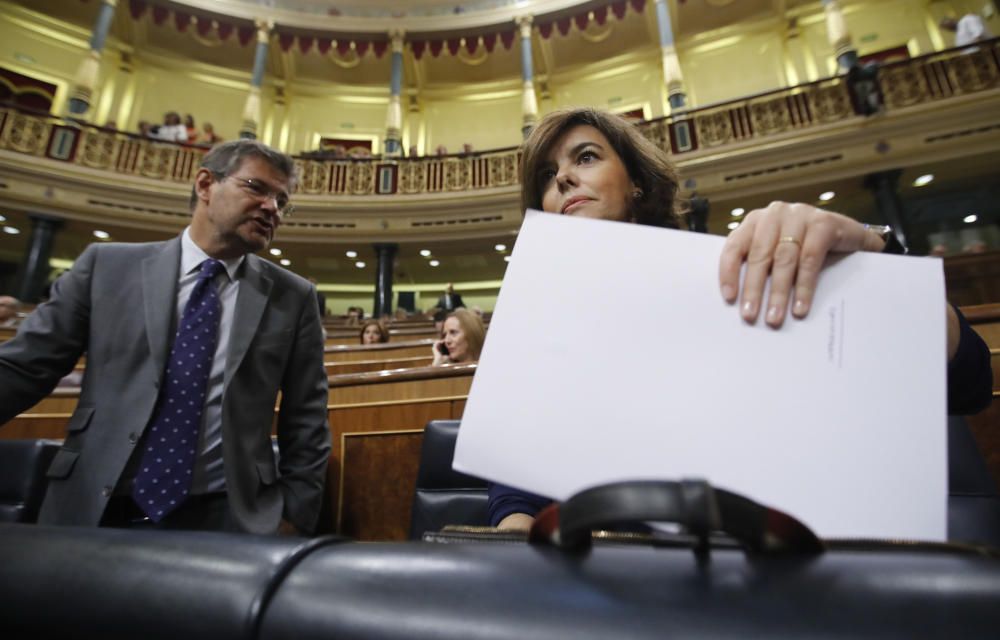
(612, 356)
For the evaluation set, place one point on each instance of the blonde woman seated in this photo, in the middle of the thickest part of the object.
(592, 164)
(462, 338)
(374, 332)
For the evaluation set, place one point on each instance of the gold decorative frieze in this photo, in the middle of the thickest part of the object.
(789, 112)
(26, 134)
(312, 176)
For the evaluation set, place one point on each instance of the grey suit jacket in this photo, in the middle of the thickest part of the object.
(117, 304)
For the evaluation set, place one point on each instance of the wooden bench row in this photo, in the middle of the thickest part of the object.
(377, 421)
(376, 424)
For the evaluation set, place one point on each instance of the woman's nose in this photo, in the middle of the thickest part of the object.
(565, 180)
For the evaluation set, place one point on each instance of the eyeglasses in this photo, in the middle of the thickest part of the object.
(262, 192)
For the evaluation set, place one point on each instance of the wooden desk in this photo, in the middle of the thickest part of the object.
(386, 351)
(365, 366)
(377, 422)
(334, 338)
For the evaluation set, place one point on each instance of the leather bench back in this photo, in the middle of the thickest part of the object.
(445, 496)
(23, 464)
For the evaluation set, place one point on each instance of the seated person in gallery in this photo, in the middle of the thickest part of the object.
(374, 332)
(354, 316)
(461, 340)
(9, 306)
(192, 130)
(968, 29)
(585, 162)
(208, 137)
(172, 129)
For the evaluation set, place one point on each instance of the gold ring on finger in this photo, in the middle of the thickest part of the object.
(790, 239)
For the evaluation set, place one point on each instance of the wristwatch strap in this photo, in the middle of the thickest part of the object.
(892, 243)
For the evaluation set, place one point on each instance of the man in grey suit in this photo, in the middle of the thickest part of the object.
(134, 310)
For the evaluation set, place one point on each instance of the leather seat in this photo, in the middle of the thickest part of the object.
(90, 582)
(23, 464)
(445, 496)
(973, 503)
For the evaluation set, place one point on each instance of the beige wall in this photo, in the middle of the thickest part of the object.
(488, 121)
(166, 84)
(315, 112)
(635, 82)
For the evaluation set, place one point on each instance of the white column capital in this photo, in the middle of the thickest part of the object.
(524, 25)
(396, 37)
(264, 28)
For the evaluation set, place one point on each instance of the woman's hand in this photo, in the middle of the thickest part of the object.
(439, 358)
(517, 522)
(788, 242)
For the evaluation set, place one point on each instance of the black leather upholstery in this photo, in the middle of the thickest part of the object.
(23, 464)
(67, 582)
(445, 496)
(487, 591)
(117, 583)
(973, 504)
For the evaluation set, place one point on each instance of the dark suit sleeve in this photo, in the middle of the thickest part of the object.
(505, 501)
(970, 376)
(49, 342)
(303, 431)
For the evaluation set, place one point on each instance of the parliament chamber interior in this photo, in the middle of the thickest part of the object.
(405, 124)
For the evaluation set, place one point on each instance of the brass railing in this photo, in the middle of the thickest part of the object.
(937, 76)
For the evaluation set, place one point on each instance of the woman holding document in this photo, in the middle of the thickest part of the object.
(588, 163)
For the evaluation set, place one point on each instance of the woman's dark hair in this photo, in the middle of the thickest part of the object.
(648, 166)
(383, 332)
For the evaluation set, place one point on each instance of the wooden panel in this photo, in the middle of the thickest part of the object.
(47, 419)
(353, 337)
(973, 279)
(387, 351)
(380, 472)
(376, 422)
(405, 384)
(985, 429)
(363, 366)
(27, 426)
(985, 426)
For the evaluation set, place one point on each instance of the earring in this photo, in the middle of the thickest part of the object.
(637, 194)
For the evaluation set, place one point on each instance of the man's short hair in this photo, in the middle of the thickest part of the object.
(226, 158)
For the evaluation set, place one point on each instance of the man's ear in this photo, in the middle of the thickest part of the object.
(203, 183)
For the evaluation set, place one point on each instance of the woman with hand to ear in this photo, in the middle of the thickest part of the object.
(462, 337)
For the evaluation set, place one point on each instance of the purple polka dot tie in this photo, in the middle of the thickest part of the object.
(164, 476)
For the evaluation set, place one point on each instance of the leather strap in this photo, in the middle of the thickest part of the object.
(693, 504)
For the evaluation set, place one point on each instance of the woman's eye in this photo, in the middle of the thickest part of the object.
(587, 156)
(546, 175)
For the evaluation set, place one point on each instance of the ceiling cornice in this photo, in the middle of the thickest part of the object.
(466, 22)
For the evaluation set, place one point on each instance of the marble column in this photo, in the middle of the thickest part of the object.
(394, 117)
(251, 109)
(839, 36)
(672, 75)
(884, 186)
(34, 271)
(386, 253)
(85, 80)
(529, 102)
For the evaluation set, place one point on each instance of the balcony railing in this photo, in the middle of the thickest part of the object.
(899, 85)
